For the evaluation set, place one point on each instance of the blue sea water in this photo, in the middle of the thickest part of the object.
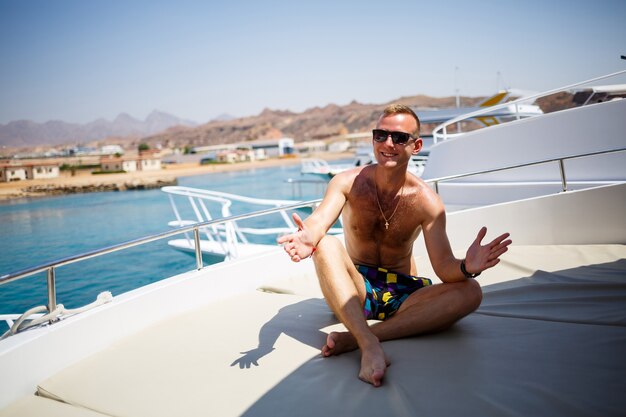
(35, 231)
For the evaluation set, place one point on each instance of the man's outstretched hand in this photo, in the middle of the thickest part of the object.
(298, 245)
(479, 257)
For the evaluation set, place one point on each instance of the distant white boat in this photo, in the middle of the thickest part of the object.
(229, 240)
(500, 113)
(493, 110)
(364, 155)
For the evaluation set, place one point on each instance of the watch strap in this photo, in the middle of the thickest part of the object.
(467, 274)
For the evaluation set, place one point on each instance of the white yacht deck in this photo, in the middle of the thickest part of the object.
(548, 339)
(547, 343)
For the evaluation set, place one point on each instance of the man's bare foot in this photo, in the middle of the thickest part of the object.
(338, 343)
(374, 363)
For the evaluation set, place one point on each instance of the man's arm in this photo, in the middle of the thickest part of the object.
(301, 244)
(447, 267)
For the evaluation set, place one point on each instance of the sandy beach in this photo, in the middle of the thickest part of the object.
(86, 182)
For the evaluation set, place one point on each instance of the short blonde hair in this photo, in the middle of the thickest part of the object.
(394, 109)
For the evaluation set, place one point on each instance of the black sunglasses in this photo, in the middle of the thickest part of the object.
(398, 138)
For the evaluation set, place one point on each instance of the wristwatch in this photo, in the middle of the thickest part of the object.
(467, 274)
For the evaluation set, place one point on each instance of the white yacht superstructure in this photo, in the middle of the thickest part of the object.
(557, 138)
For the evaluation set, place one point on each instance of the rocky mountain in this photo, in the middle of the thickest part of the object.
(314, 123)
(223, 117)
(25, 133)
(169, 131)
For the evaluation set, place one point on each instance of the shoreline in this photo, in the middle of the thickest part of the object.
(87, 183)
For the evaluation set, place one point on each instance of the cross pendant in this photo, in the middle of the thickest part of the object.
(386, 225)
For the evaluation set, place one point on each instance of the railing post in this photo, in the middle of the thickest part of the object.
(563, 179)
(196, 239)
(52, 292)
(437, 187)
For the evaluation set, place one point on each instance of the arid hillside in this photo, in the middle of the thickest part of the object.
(314, 123)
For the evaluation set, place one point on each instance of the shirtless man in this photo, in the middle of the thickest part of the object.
(384, 208)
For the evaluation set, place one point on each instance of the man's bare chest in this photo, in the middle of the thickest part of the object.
(366, 221)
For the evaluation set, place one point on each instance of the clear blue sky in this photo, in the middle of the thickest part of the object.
(81, 60)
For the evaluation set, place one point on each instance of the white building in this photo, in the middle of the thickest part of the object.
(27, 170)
(145, 161)
(263, 148)
(285, 146)
(238, 155)
(149, 164)
(44, 170)
(311, 146)
(341, 146)
(112, 150)
(11, 172)
(118, 164)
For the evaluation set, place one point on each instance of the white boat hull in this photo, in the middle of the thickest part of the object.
(214, 251)
(576, 131)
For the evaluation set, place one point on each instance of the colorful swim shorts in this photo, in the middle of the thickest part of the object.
(387, 290)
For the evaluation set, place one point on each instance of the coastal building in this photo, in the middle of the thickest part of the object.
(149, 164)
(145, 161)
(214, 149)
(12, 172)
(340, 146)
(263, 148)
(27, 169)
(149, 160)
(83, 151)
(111, 150)
(238, 155)
(229, 157)
(118, 164)
(310, 146)
(44, 170)
(274, 147)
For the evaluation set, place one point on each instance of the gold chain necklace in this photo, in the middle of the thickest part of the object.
(387, 220)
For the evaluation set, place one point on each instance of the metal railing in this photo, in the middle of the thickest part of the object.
(441, 132)
(50, 267)
(296, 185)
(560, 161)
(231, 235)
